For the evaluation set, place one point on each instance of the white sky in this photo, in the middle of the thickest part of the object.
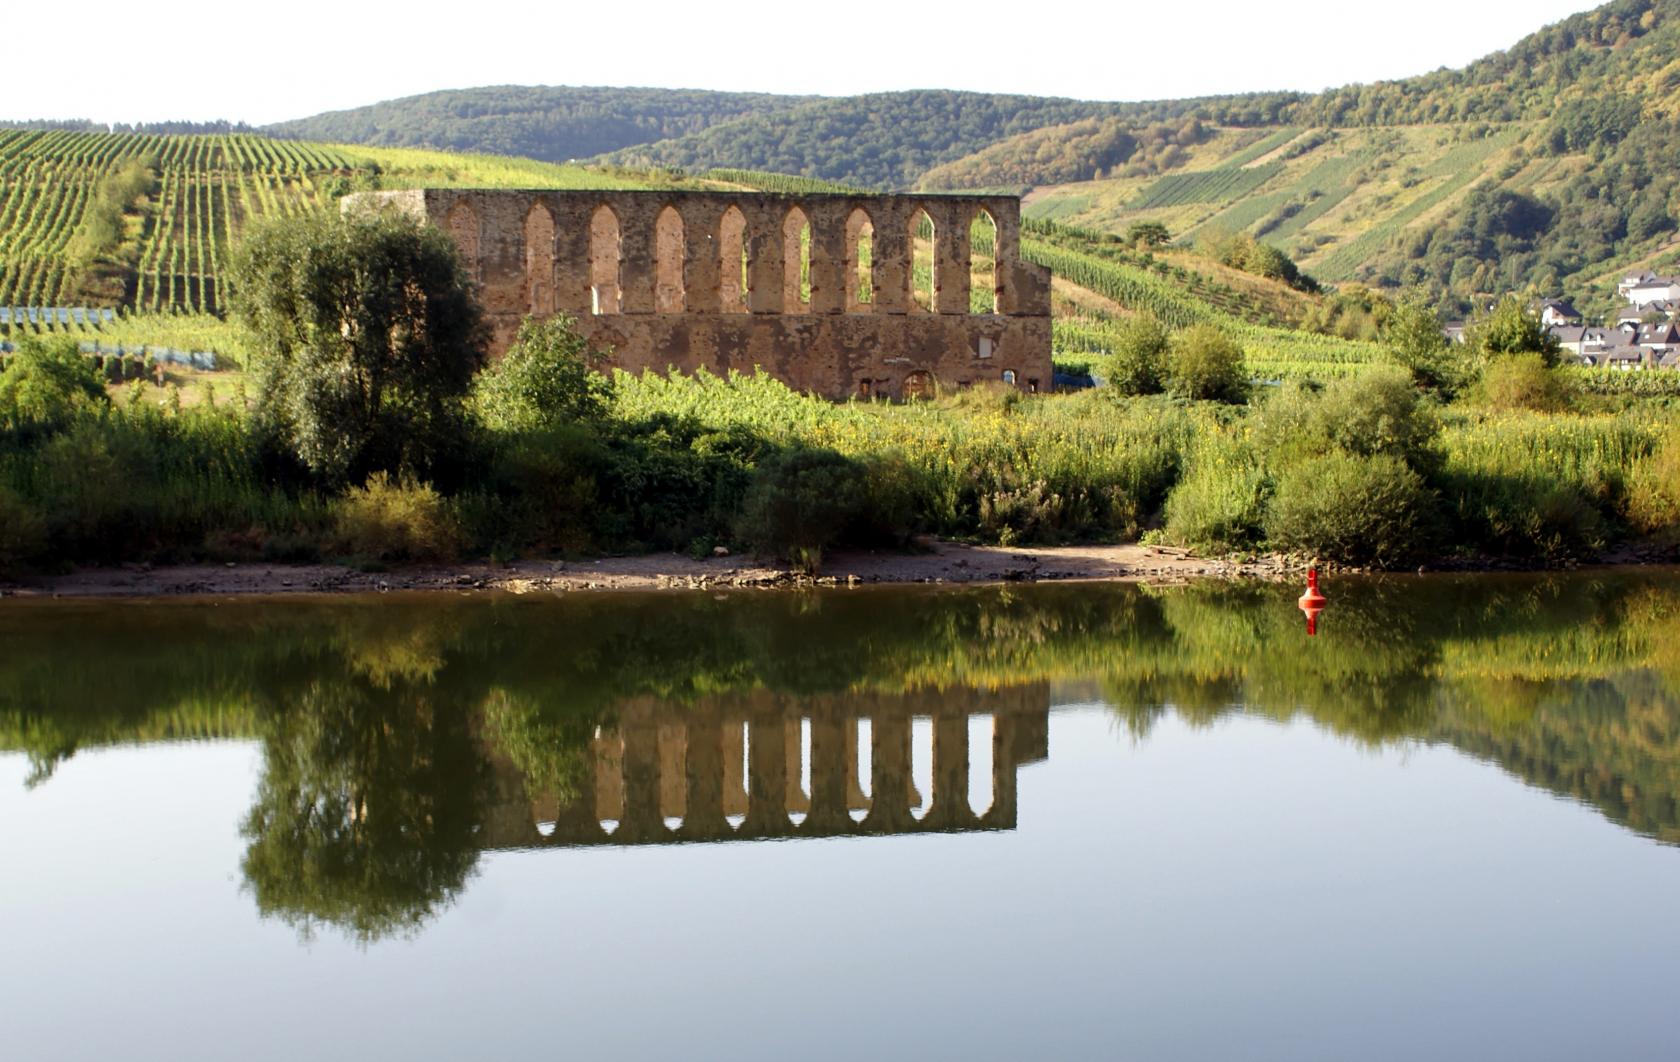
(256, 62)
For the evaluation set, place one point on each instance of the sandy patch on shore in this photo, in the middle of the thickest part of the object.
(938, 562)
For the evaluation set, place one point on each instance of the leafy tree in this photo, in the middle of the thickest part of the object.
(1510, 327)
(1140, 356)
(1205, 363)
(1147, 234)
(370, 335)
(46, 383)
(547, 378)
(1414, 341)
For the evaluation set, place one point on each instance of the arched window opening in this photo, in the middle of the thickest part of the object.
(919, 384)
(860, 262)
(462, 225)
(734, 278)
(923, 283)
(604, 261)
(982, 264)
(539, 260)
(866, 388)
(796, 262)
(668, 255)
(1009, 377)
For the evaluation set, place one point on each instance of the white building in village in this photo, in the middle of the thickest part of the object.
(1642, 289)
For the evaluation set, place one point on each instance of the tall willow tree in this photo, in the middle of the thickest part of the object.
(369, 334)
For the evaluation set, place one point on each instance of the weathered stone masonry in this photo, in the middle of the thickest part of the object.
(648, 273)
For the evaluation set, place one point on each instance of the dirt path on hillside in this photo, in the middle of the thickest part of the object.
(939, 562)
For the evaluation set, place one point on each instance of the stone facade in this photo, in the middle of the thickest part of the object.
(825, 298)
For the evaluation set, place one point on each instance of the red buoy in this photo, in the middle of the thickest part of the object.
(1312, 602)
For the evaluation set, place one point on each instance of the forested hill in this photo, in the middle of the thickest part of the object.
(883, 140)
(551, 123)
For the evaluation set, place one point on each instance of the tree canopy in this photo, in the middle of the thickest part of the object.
(369, 335)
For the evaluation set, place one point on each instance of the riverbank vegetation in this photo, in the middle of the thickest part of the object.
(374, 434)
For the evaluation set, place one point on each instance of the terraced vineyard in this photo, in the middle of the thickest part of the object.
(175, 239)
(1208, 186)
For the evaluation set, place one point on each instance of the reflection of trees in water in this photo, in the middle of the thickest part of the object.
(379, 723)
(371, 794)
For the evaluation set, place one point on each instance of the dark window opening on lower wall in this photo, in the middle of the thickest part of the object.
(865, 388)
(1032, 386)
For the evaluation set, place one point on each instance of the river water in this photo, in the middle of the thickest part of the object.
(1061, 822)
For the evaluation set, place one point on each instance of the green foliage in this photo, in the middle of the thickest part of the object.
(1147, 234)
(1354, 509)
(1379, 412)
(1510, 327)
(23, 532)
(395, 521)
(801, 502)
(1205, 363)
(1244, 252)
(45, 384)
(370, 335)
(1139, 360)
(1522, 381)
(550, 376)
(1413, 340)
(101, 230)
(1220, 503)
(556, 123)
(905, 133)
(1653, 502)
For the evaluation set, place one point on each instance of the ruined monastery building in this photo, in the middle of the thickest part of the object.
(826, 300)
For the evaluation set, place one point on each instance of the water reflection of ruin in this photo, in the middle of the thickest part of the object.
(775, 766)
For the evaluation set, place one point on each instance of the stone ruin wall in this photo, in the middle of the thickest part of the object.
(645, 273)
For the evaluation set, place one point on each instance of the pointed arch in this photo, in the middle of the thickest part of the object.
(924, 278)
(539, 260)
(734, 268)
(860, 261)
(669, 254)
(462, 225)
(796, 262)
(982, 263)
(604, 261)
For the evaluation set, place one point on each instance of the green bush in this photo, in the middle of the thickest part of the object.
(801, 502)
(541, 492)
(1138, 363)
(395, 521)
(23, 533)
(1381, 412)
(547, 378)
(1205, 363)
(46, 383)
(1353, 509)
(1220, 502)
(1523, 381)
(1653, 492)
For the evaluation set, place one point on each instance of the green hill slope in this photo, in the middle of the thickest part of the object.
(552, 123)
(885, 140)
(1550, 165)
(146, 221)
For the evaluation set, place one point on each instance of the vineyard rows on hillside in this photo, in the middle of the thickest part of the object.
(1207, 186)
(177, 237)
